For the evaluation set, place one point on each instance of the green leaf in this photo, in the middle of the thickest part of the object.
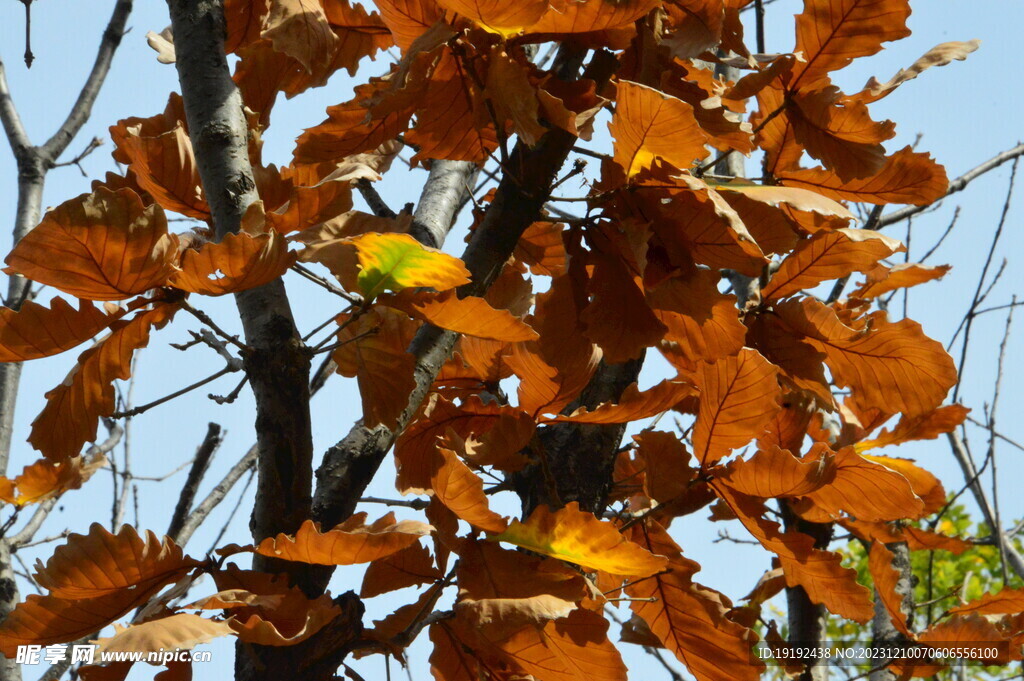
(392, 262)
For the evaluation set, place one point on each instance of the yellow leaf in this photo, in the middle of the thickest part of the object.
(578, 537)
(392, 262)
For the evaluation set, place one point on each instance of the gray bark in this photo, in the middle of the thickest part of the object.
(883, 632)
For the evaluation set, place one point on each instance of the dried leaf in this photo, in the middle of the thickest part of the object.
(348, 544)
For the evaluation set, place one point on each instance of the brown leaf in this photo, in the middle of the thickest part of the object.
(775, 472)
(818, 572)
(591, 15)
(578, 537)
(375, 353)
(618, 318)
(462, 491)
(348, 544)
(826, 256)
(180, 631)
(99, 246)
(411, 566)
(884, 279)
(739, 395)
(940, 55)
(498, 16)
(702, 323)
(164, 165)
(35, 331)
(238, 262)
(409, 19)
(74, 407)
(299, 28)
(833, 34)
(649, 124)
(906, 177)
(665, 462)
(470, 315)
(47, 479)
(892, 366)
(633, 405)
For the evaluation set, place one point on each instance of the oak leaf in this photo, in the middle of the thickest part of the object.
(884, 279)
(470, 316)
(775, 472)
(100, 246)
(180, 631)
(633, 405)
(351, 543)
(35, 331)
(649, 124)
(411, 566)
(578, 537)
(738, 396)
(392, 262)
(462, 491)
(73, 409)
(940, 55)
(47, 479)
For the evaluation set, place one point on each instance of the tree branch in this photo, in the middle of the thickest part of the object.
(13, 127)
(82, 108)
(959, 184)
(277, 362)
(216, 495)
(200, 464)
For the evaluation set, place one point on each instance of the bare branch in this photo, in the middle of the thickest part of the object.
(373, 199)
(216, 495)
(13, 127)
(200, 464)
(82, 108)
(959, 184)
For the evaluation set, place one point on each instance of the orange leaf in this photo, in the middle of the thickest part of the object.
(775, 472)
(74, 407)
(452, 121)
(239, 262)
(866, 490)
(46, 479)
(408, 19)
(692, 623)
(45, 620)
(666, 465)
(633, 405)
(738, 397)
(374, 351)
(702, 323)
(99, 246)
(164, 165)
(300, 30)
(308, 206)
(542, 249)
(499, 16)
(618, 318)
(883, 279)
(503, 588)
(649, 124)
(940, 55)
(348, 544)
(498, 434)
(409, 567)
(578, 537)
(470, 316)
(512, 94)
(101, 563)
(462, 491)
(281, 615)
(893, 367)
(925, 485)
(819, 572)
(832, 34)
(906, 177)
(826, 256)
(180, 631)
(544, 388)
(1002, 602)
(35, 331)
(588, 16)
(451, 659)
(928, 426)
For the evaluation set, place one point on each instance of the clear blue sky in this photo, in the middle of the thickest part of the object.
(965, 112)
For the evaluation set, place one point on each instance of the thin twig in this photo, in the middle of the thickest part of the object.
(205, 319)
(135, 411)
(216, 495)
(200, 464)
(416, 504)
(320, 281)
(373, 199)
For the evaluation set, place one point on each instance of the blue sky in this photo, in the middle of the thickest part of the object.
(965, 113)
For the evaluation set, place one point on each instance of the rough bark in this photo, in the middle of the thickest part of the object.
(277, 362)
(580, 457)
(806, 618)
(883, 632)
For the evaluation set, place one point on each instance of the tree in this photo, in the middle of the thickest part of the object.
(561, 306)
